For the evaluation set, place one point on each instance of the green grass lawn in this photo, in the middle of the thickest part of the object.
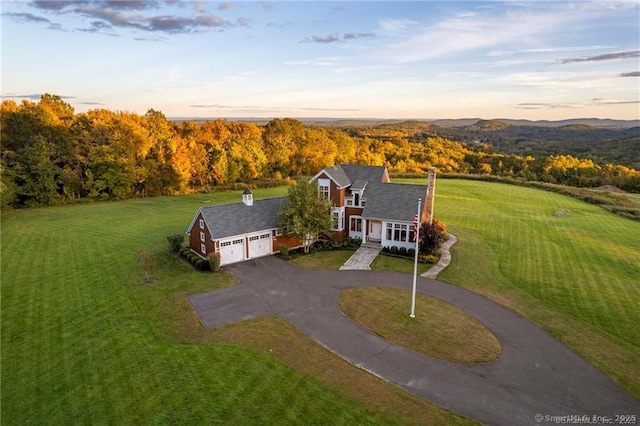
(331, 259)
(84, 342)
(397, 264)
(576, 275)
(451, 335)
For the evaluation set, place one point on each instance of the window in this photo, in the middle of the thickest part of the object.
(201, 223)
(337, 215)
(254, 238)
(398, 232)
(282, 231)
(349, 202)
(324, 187)
(265, 236)
(202, 236)
(203, 249)
(240, 241)
(356, 224)
(356, 199)
(323, 192)
(225, 244)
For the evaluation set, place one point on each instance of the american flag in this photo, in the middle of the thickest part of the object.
(415, 227)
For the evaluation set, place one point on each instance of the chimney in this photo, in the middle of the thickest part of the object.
(247, 197)
(431, 193)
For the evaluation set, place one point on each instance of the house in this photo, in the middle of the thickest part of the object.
(366, 205)
(239, 231)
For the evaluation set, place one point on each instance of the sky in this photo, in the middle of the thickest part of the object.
(357, 59)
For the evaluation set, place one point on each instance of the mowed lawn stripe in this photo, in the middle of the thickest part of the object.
(580, 266)
(79, 345)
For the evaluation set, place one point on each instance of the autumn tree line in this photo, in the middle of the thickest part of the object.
(51, 155)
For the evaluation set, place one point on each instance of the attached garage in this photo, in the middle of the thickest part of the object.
(231, 251)
(238, 231)
(260, 245)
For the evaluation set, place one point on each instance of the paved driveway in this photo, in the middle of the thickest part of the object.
(536, 374)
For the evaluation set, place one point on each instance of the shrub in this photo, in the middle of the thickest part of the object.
(432, 235)
(184, 250)
(385, 249)
(203, 265)
(175, 241)
(402, 251)
(284, 250)
(214, 262)
(428, 258)
(393, 250)
(411, 252)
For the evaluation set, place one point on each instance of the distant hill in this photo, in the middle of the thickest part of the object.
(594, 122)
(454, 122)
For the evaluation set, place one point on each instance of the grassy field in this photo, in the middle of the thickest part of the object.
(83, 341)
(452, 335)
(577, 275)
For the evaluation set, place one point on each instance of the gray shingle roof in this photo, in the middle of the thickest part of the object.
(226, 220)
(393, 201)
(338, 174)
(368, 173)
(358, 185)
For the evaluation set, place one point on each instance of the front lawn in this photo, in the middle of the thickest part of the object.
(397, 264)
(329, 259)
(438, 330)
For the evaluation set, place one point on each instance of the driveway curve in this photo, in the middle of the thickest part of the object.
(535, 378)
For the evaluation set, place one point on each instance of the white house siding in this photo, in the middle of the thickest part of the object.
(397, 232)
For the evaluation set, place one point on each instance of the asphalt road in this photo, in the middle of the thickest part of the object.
(535, 378)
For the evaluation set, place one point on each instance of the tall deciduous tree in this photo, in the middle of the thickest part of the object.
(304, 214)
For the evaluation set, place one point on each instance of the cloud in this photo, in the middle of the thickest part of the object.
(55, 5)
(160, 23)
(630, 74)
(262, 109)
(115, 14)
(589, 103)
(336, 38)
(605, 102)
(33, 96)
(396, 25)
(26, 17)
(511, 26)
(604, 57)
(544, 105)
(225, 5)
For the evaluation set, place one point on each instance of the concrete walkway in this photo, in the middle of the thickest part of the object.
(445, 258)
(536, 375)
(362, 258)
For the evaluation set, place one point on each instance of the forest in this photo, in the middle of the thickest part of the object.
(51, 155)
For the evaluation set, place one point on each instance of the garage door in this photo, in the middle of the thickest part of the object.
(260, 245)
(231, 251)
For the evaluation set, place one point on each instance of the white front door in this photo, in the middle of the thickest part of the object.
(260, 245)
(375, 231)
(231, 251)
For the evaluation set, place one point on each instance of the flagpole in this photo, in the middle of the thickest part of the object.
(415, 262)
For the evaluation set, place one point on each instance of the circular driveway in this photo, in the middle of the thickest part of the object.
(536, 376)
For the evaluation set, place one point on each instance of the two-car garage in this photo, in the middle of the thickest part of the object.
(237, 249)
(238, 231)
